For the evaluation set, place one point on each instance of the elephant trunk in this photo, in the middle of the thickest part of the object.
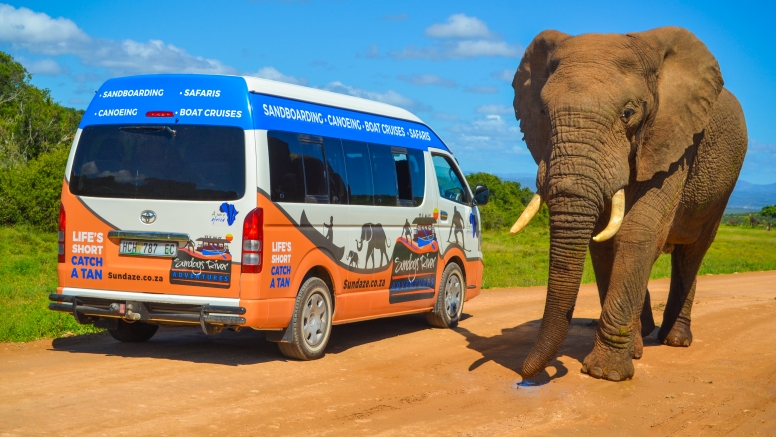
(572, 220)
(575, 195)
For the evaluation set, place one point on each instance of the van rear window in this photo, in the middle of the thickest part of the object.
(160, 162)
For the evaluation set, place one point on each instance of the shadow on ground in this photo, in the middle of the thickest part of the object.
(234, 348)
(510, 348)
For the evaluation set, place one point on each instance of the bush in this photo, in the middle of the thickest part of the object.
(30, 193)
(507, 202)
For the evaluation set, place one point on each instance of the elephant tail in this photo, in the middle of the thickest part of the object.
(387, 242)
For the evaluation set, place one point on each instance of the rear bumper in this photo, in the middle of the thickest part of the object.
(93, 309)
(96, 306)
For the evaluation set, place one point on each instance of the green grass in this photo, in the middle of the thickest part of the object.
(28, 274)
(522, 260)
(28, 271)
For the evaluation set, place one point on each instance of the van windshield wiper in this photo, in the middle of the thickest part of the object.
(171, 131)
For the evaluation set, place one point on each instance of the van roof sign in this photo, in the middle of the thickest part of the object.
(276, 113)
(192, 98)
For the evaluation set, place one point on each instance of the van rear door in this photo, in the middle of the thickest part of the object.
(169, 201)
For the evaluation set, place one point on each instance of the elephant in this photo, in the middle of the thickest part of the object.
(638, 147)
(374, 234)
(352, 259)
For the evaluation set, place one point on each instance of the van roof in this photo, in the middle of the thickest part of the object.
(252, 103)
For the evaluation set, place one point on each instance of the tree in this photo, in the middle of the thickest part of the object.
(507, 201)
(769, 211)
(31, 123)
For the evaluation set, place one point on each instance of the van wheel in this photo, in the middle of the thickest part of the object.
(311, 323)
(449, 304)
(133, 332)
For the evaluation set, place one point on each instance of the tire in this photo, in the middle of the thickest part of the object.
(449, 304)
(311, 322)
(133, 332)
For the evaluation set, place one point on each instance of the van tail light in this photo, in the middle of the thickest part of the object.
(253, 241)
(61, 234)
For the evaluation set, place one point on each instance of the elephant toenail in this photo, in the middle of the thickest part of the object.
(596, 372)
(686, 343)
(613, 376)
(584, 369)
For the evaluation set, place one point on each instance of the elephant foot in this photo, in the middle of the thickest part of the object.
(679, 335)
(609, 365)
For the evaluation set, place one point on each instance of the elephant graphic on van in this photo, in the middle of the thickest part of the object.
(374, 235)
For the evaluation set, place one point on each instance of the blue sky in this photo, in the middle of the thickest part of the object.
(449, 62)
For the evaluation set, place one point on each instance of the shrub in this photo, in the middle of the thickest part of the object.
(507, 201)
(30, 193)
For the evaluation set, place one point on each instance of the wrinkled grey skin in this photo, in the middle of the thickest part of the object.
(646, 112)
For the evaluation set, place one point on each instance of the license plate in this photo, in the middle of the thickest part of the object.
(147, 248)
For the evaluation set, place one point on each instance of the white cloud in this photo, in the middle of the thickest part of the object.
(506, 74)
(37, 32)
(371, 52)
(459, 26)
(489, 134)
(273, 74)
(428, 79)
(494, 109)
(474, 40)
(390, 97)
(471, 49)
(45, 66)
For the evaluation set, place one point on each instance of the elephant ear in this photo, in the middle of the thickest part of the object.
(688, 83)
(529, 80)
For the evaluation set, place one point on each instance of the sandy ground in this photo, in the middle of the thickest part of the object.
(398, 377)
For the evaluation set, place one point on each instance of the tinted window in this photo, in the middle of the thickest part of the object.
(383, 175)
(160, 162)
(451, 186)
(286, 171)
(417, 165)
(403, 178)
(314, 169)
(359, 172)
(335, 167)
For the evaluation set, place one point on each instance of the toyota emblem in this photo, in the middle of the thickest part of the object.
(147, 217)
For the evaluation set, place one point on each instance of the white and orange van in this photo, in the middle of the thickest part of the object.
(232, 202)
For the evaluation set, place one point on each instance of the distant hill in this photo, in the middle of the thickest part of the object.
(746, 197)
(749, 197)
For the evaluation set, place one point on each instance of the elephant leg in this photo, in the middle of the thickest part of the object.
(685, 263)
(602, 256)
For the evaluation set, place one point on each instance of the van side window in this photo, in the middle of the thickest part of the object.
(450, 185)
(403, 178)
(359, 169)
(286, 170)
(417, 165)
(335, 168)
(314, 169)
(383, 175)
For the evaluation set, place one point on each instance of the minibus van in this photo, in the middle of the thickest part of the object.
(226, 202)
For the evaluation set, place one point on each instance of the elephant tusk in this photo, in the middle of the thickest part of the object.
(528, 213)
(615, 221)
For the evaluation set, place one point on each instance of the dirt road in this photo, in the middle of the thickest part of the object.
(399, 377)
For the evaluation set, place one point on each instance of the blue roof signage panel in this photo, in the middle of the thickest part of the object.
(192, 98)
(276, 113)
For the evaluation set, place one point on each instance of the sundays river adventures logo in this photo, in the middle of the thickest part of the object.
(206, 262)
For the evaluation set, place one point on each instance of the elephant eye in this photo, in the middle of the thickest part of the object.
(627, 114)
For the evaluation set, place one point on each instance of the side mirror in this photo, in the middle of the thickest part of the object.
(481, 195)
